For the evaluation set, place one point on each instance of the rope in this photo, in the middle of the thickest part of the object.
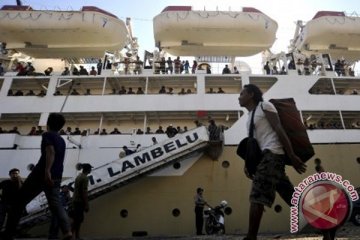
(34, 17)
(335, 20)
(206, 15)
(105, 20)
(62, 16)
(182, 18)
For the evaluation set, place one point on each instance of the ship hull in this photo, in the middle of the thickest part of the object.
(151, 200)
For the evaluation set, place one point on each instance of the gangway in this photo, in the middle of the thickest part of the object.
(118, 173)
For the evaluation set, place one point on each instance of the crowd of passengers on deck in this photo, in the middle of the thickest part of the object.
(122, 91)
(332, 125)
(170, 130)
(304, 66)
(27, 69)
(163, 66)
(309, 66)
(329, 90)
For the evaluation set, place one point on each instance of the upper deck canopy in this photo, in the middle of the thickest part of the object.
(61, 34)
(182, 31)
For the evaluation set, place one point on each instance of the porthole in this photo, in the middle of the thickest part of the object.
(228, 210)
(124, 213)
(225, 164)
(278, 208)
(177, 165)
(176, 212)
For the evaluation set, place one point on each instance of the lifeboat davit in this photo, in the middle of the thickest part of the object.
(60, 34)
(331, 32)
(181, 31)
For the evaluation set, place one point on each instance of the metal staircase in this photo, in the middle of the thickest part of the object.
(115, 174)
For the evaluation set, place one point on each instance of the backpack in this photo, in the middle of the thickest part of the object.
(296, 131)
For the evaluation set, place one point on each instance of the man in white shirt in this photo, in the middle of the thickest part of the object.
(270, 176)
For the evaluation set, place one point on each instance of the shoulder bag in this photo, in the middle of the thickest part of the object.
(249, 150)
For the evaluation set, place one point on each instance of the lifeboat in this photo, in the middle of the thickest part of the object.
(59, 34)
(181, 31)
(331, 32)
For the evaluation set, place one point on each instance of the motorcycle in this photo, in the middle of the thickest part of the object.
(214, 219)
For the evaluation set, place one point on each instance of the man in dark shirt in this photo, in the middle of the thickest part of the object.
(83, 71)
(14, 130)
(226, 70)
(2, 71)
(46, 176)
(171, 131)
(199, 210)
(99, 66)
(128, 151)
(267, 68)
(10, 189)
(160, 130)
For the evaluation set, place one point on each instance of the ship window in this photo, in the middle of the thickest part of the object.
(358, 160)
(264, 82)
(185, 84)
(347, 86)
(29, 86)
(124, 213)
(322, 86)
(176, 212)
(115, 85)
(351, 119)
(222, 84)
(322, 119)
(83, 85)
(23, 121)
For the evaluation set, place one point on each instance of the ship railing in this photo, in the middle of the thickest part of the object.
(127, 67)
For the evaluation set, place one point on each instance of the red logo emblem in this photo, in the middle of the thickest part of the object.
(325, 205)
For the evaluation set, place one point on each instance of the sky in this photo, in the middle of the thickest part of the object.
(284, 12)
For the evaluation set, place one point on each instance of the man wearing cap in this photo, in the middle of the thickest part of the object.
(10, 189)
(80, 202)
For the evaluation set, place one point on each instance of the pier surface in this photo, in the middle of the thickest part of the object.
(348, 231)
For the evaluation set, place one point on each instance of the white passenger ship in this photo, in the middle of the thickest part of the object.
(160, 201)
